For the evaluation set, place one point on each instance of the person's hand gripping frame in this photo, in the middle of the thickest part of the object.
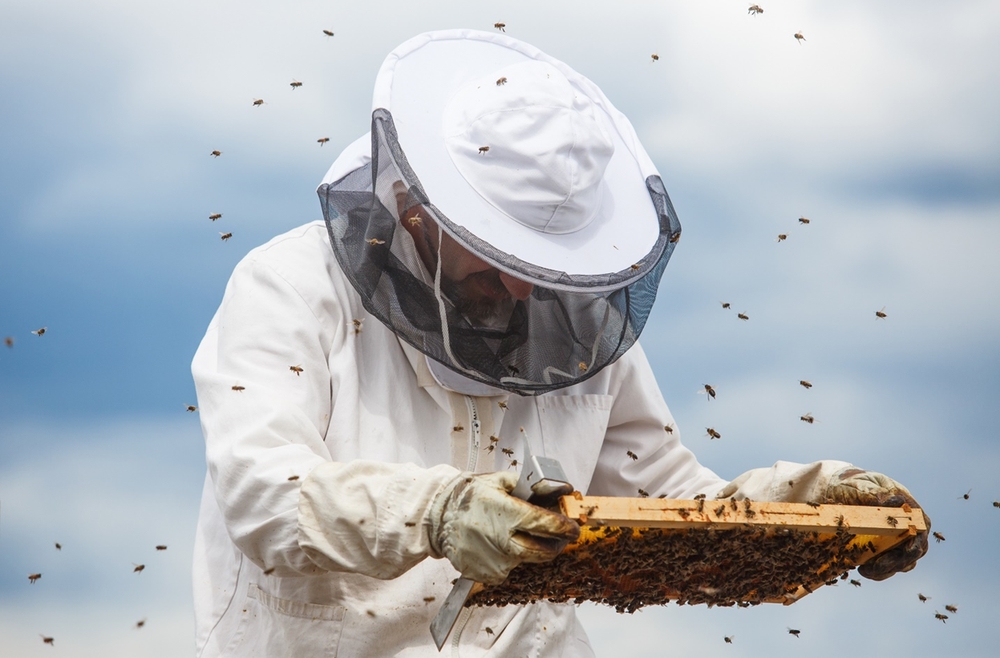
(487, 524)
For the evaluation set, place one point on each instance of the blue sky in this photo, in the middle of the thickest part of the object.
(881, 128)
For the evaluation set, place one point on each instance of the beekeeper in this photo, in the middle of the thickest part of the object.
(490, 254)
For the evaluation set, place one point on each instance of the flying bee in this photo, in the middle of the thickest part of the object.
(161, 547)
(631, 454)
(951, 608)
(856, 583)
(709, 390)
(40, 332)
(215, 215)
(799, 37)
(140, 623)
(501, 81)
(502, 405)
(293, 478)
(458, 428)
(923, 599)
(484, 149)
(356, 323)
(726, 305)
(490, 448)
(712, 434)
(755, 9)
(794, 631)
(489, 631)
(257, 102)
(996, 503)
(655, 57)
(966, 494)
(804, 384)
(375, 242)
(415, 220)
(743, 316)
(192, 408)
(880, 315)
(892, 520)
(643, 493)
(807, 418)
(675, 238)
(215, 153)
(295, 84)
(138, 567)
(943, 618)
(296, 369)
(58, 546)
(328, 33)
(269, 571)
(500, 26)
(47, 640)
(669, 429)
(803, 220)
(225, 236)
(9, 341)
(429, 599)
(782, 237)
(32, 577)
(729, 639)
(938, 536)
(238, 388)
(507, 451)
(322, 140)
(513, 463)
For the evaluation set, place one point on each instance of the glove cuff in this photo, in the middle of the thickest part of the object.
(436, 527)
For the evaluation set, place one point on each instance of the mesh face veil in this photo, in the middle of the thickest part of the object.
(567, 329)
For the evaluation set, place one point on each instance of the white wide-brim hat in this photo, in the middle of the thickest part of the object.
(525, 154)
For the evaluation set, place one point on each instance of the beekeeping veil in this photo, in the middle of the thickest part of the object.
(485, 140)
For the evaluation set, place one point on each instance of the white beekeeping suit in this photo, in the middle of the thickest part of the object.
(359, 395)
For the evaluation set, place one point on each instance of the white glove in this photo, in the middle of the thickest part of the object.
(485, 532)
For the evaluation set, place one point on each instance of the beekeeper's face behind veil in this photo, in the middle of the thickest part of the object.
(535, 227)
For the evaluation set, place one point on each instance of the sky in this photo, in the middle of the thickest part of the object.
(879, 127)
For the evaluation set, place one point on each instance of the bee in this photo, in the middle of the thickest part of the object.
(458, 428)
(415, 220)
(161, 547)
(782, 237)
(856, 583)
(238, 388)
(140, 623)
(58, 546)
(805, 384)
(375, 242)
(701, 503)
(257, 102)
(812, 504)
(951, 608)
(215, 215)
(225, 236)
(966, 494)
(328, 33)
(293, 478)
(269, 571)
(743, 316)
(684, 514)
(513, 463)
(501, 81)
(428, 599)
(40, 332)
(996, 503)
(484, 149)
(720, 510)
(356, 323)
(794, 631)
(500, 26)
(938, 536)
(489, 631)
(631, 454)
(807, 418)
(803, 220)
(726, 305)
(191, 408)
(32, 577)
(675, 238)
(502, 405)
(669, 429)
(799, 37)
(655, 57)
(295, 84)
(215, 154)
(138, 567)
(635, 267)
(755, 9)
(643, 493)
(943, 618)
(47, 640)
(490, 448)
(322, 140)
(729, 639)
(507, 451)
(710, 391)
(410, 524)
(712, 434)
(880, 315)
(9, 341)
(923, 599)
(296, 369)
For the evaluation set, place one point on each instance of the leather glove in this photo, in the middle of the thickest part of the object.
(485, 532)
(854, 486)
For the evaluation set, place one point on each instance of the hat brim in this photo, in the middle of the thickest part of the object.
(415, 84)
